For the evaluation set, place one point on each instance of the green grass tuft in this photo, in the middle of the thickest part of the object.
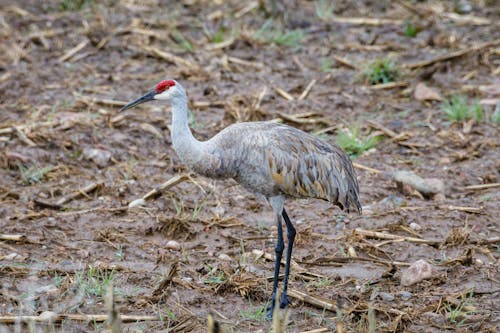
(458, 109)
(73, 5)
(34, 174)
(95, 281)
(257, 313)
(457, 314)
(410, 30)
(380, 71)
(269, 34)
(354, 143)
(326, 64)
(182, 42)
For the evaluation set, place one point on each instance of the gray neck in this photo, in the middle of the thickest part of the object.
(185, 144)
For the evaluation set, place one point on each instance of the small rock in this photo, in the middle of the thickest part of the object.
(405, 295)
(415, 226)
(425, 93)
(173, 245)
(426, 186)
(439, 197)
(445, 160)
(386, 296)
(48, 316)
(225, 257)
(100, 157)
(137, 202)
(435, 185)
(418, 271)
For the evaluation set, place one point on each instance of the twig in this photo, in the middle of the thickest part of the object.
(486, 241)
(283, 94)
(23, 137)
(304, 118)
(245, 62)
(467, 19)
(480, 187)
(206, 104)
(87, 189)
(383, 235)
(77, 317)
(307, 90)
(452, 55)
(345, 62)
(362, 167)
(167, 56)
(73, 51)
(221, 45)
(389, 85)
(247, 9)
(158, 190)
(169, 183)
(89, 100)
(260, 98)
(365, 20)
(474, 210)
(268, 256)
(14, 238)
(312, 300)
(318, 330)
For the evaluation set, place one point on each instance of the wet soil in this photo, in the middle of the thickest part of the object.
(67, 67)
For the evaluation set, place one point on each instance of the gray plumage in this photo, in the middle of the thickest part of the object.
(274, 159)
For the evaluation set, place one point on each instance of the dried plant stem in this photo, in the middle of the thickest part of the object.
(383, 235)
(77, 317)
(81, 192)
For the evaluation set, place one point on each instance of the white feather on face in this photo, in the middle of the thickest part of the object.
(167, 94)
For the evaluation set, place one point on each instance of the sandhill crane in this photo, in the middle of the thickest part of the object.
(270, 159)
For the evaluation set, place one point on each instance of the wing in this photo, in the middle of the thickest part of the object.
(294, 162)
(306, 166)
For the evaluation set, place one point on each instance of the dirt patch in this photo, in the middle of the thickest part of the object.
(69, 165)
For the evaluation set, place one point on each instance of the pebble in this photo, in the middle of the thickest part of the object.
(418, 271)
(173, 245)
(100, 157)
(47, 316)
(225, 257)
(415, 226)
(405, 295)
(386, 296)
(137, 202)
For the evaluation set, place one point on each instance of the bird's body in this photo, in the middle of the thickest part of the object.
(274, 160)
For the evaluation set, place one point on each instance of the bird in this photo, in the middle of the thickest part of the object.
(273, 160)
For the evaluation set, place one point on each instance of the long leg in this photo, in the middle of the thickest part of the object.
(291, 237)
(280, 246)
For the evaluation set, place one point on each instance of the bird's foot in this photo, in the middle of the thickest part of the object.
(284, 301)
(270, 309)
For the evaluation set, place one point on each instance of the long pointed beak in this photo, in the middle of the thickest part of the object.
(146, 98)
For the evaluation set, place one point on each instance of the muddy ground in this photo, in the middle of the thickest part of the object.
(69, 164)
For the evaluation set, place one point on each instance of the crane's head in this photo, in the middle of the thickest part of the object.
(164, 90)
